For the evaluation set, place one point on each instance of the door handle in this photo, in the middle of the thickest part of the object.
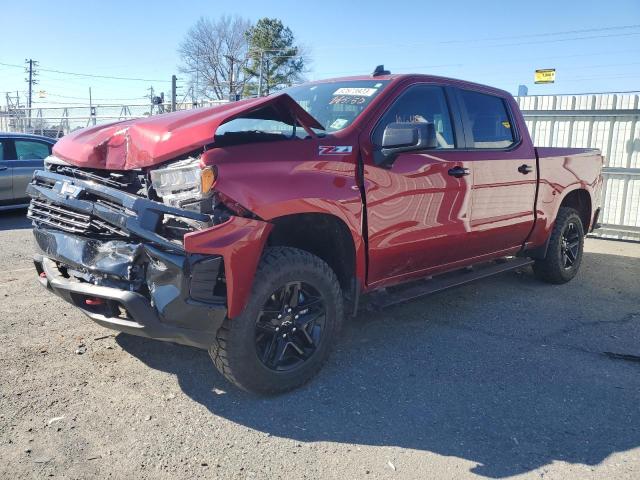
(524, 169)
(459, 172)
(3, 168)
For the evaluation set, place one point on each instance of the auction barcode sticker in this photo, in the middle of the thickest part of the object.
(361, 92)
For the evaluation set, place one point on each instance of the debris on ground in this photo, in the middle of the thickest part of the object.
(55, 419)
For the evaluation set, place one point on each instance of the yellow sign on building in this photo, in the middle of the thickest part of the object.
(546, 75)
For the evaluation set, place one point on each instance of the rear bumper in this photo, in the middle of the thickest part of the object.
(595, 224)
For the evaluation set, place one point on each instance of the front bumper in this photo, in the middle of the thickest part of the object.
(122, 310)
(165, 299)
(100, 249)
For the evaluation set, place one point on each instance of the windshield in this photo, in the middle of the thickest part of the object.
(336, 104)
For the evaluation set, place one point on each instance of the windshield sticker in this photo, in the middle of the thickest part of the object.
(348, 100)
(334, 149)
(506, 124)
(338, 123)
(361, 92)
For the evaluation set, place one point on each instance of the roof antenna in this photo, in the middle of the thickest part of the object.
(379, 70)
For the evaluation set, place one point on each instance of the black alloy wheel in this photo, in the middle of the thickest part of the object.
(564, 249)
(570, 245)
(289, 327)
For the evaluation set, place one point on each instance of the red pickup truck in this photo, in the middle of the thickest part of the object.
(251, 229)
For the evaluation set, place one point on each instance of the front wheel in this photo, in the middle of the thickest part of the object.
(288, 327)
(564, 252)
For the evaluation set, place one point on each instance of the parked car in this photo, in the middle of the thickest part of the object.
(20, 156)
(251, 229)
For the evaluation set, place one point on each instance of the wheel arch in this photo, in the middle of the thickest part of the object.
(580, 200)
(325, 236)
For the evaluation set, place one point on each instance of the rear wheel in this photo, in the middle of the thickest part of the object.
(288, 327)
(564, 253)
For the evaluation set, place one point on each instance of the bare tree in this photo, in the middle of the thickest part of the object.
(214, 55)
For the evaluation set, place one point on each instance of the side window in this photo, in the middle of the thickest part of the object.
(489, 121)
(420, 103)
(30, 150)
(1, 150)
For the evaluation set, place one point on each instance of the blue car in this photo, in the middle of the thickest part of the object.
(20, 155)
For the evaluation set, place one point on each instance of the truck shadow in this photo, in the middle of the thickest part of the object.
(506, 373)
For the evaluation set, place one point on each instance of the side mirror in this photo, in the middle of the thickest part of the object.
(407, 137)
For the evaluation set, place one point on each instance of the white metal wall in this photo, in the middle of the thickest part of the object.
(610, 122)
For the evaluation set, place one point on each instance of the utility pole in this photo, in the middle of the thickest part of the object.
(267, 74)
(195, 91)
(92, 109)
(261, 74)
(173, 92)
(231, 59)
(151, 99)
(30, 69)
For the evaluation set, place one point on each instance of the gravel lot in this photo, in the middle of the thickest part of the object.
(505, 377)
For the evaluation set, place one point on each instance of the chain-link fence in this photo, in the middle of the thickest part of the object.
(58, 121)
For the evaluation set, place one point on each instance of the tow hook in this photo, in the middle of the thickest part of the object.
(94, 301)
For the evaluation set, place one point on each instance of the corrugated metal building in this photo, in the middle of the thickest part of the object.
(609, 122)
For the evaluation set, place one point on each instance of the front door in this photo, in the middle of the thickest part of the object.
(6, 183)
(29, 156)
(418, 207)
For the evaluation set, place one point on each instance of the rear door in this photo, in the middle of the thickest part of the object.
(500, 155)
(29, 156)
(6, 183)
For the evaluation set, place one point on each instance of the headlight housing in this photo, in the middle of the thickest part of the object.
(183, 184)
(51, 160)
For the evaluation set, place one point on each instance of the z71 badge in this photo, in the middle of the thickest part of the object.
(334, 149)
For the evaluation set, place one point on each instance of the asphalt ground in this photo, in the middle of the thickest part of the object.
(505, 377)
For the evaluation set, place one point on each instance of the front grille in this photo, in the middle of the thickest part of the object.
(68, 220)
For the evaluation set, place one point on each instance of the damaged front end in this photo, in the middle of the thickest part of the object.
(121, 258)
(131, 230)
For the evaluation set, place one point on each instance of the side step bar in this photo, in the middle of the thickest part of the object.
(387, 297)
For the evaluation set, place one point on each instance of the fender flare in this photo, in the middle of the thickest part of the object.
(240, 241)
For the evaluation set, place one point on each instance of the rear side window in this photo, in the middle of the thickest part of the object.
(489, 120)
(29, 150)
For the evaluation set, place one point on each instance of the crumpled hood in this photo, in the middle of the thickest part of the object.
(149, 141)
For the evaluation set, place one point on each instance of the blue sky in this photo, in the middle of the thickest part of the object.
(594, 46)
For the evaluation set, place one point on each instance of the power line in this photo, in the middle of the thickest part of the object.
(472, 67)
(90, 75)
(565, 32)
(473, 45)
(488, 39)
(84, 98)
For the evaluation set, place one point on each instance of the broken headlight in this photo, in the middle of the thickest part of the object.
(184, 184)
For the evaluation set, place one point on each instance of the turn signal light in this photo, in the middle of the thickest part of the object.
(208, 179)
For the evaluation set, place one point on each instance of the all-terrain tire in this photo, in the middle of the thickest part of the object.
(553, 268)
(234, 352)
